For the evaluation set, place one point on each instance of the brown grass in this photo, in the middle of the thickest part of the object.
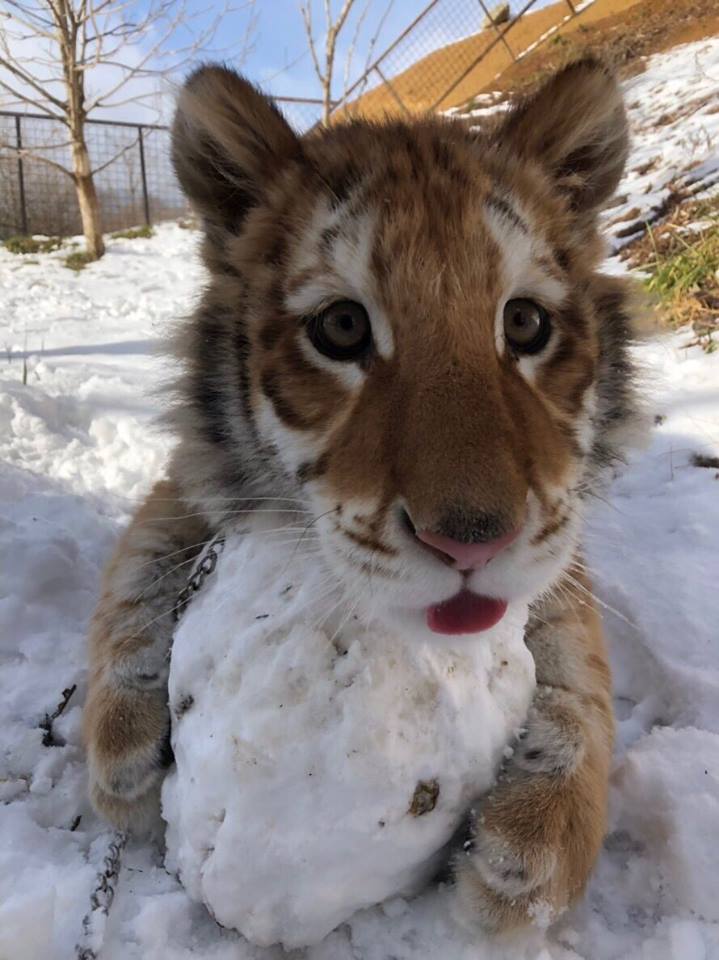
(682, 267)
(425, 82)
(620, 37)
(621, 31)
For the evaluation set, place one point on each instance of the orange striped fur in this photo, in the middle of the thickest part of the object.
(440, 424)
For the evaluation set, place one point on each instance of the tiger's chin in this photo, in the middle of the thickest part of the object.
(432, 602)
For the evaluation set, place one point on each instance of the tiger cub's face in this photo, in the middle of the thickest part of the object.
(404, 327)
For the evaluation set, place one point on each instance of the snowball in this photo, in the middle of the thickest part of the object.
(322, 764)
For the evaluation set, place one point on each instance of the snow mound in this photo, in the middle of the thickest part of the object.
(343, 757)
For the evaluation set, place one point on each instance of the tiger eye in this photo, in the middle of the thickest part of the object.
(342, 331)
(526, 326)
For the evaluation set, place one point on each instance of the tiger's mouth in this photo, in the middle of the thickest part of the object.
(430, 585)
(465, 612)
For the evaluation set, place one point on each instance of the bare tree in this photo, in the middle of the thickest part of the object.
(70, 58)
(357, 88)
(335, 23)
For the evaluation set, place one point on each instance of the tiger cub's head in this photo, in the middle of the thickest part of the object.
(404, 328)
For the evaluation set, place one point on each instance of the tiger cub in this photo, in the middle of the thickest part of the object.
(404, 342)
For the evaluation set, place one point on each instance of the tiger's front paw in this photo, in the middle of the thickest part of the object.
(534, 837)
(127, 734)
(508, 870)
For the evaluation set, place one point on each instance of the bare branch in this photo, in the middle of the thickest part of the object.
(180, 56)
(39, 158)
(360, 88)
(36, 28)
(117, 156)
(342, 18)
(37, 147)
(37, 14)
(306, 12)
(139, 98)
(27, 78)
(26, 98)
(334, 26)
(353, 43)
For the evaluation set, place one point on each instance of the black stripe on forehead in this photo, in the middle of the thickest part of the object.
(505, 209)
(328, 238)
(341, 182)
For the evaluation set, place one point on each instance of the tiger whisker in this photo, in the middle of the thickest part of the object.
(222, 513)
(195, 556)
(592, 596)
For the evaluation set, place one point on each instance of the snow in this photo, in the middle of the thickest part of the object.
(322, 728)
(78, 450)
(672, 108)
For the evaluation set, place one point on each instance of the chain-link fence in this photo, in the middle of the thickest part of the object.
(451, 51)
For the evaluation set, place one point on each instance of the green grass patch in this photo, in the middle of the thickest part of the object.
(78, 260)
(691, 267)
(683, 268)
(135, 233)
(22, 245)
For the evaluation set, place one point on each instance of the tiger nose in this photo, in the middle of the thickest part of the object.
(467, 556)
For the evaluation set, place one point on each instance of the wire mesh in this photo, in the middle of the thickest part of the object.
(451, 51)
(442, 59)
(301, 114)
(134, 179)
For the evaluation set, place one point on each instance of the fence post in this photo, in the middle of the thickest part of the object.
(20, 175)
(143, 173)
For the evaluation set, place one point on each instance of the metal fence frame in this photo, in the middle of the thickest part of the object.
(21, 151)
(351, 99)
(21, 200)
(501, 30)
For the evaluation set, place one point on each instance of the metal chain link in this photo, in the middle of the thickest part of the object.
(205, 566)
(101, 898)
(93, 924)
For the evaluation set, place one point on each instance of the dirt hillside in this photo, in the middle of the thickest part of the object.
(622, 38)
(618, 29)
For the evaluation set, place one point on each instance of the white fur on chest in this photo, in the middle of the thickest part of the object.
(306, 746)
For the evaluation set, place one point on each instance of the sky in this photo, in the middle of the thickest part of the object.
(280, 62)
(279, 59)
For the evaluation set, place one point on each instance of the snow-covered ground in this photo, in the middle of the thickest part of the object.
(78, 449)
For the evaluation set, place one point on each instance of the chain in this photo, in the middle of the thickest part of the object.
(94, 921)
(202, 571)
(93, 924)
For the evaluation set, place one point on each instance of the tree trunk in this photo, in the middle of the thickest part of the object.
(326, 105)
(87, 198)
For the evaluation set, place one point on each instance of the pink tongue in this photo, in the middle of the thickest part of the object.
(465, 612)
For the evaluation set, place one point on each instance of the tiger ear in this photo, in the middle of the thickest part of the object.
(228, 139)
(575, 126)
